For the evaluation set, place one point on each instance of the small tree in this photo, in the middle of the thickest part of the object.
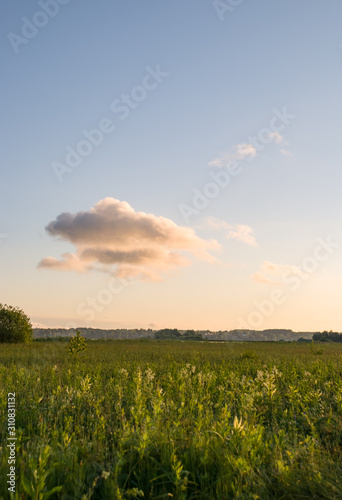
(15, 326)
(77, 344)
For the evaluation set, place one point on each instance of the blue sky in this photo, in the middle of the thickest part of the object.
(225, 77)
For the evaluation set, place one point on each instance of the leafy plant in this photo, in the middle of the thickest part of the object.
(77, 345)
(35, 484)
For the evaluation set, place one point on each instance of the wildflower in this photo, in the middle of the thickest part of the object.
(149, 374)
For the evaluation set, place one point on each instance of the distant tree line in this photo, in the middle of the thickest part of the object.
(327, 337)
(173, 334)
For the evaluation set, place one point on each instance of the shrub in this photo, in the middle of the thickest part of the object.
(15, 326)
(77, 344)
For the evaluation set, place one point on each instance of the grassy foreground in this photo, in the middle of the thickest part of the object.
(159, 420)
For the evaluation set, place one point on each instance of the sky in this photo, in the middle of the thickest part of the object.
(172, 164)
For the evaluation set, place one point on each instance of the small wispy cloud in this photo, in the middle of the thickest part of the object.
(285, 152)
(272, 274)
(276, 137)
(240, 152)
(238, 232)
(279, 139)
(243, 233)
(248, 151)
(244, 150)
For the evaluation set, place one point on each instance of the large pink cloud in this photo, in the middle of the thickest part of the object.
(113, 237)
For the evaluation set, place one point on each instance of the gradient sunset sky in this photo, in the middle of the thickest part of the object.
(172, 163)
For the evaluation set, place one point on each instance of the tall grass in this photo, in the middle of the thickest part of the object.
(180, 420)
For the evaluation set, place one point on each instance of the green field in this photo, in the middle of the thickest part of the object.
(181, 420)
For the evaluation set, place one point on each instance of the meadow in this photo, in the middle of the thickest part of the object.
(181, 420)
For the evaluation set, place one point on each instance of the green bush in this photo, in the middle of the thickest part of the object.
(15, 326)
